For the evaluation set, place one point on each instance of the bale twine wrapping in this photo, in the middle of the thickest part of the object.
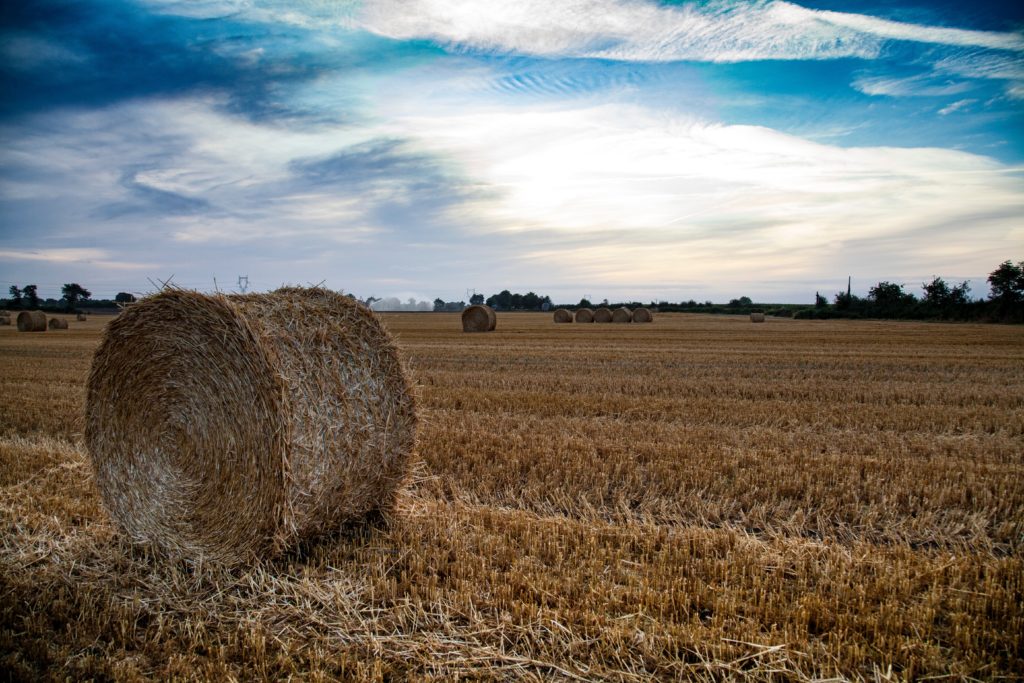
(58, 324)
(622, 315)
(584, 315)
(757, 317)
(479, 318)
(31, 321)
(563, 316)
(643, 315)
(80, 317)
(602, 315)
(235, 427)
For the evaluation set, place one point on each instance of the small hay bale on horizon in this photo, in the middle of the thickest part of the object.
(268, 420)
(58, 324)
(602, 315)
(622, 315)
(5, 319)
(562, 316)
(757, 317)
(31, 321)
(584, 315)
(80, 317)
(479, 318)
(643, 315)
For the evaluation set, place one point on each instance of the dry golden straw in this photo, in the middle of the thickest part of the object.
(602, 315)
(31, 321)
(622, 315)
(757, 317)
(563, 316)
(58, 324)
(584, 315)
(479, 319)
(643, 315)
(232, 427)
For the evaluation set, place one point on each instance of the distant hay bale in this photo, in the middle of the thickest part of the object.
(58, 324)
(622, 315)
(80, 317)
(5, 319)
(235, 427)
(479, 318)
(584, 315)
(563, 316)
(643, 315)
(31, 321)
(602, 315)
(757, 317)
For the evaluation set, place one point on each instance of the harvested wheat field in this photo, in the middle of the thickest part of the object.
(697, 499)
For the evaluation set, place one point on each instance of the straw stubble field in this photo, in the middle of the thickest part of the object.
(699, 497)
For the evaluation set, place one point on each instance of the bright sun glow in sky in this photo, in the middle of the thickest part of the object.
(627, 149)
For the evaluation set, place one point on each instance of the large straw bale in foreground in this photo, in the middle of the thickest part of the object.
(622, 315)
(563, 316)
(31, 321)
(643, 315)
(235, 427)
(584, 315)
(479, 319)
(602, 315)
(757, 317)
(58, 324)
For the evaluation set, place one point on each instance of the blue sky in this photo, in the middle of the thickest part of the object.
(419, 148)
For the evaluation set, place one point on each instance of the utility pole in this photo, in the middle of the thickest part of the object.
(243, 283)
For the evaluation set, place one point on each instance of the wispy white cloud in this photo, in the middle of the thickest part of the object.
(99, 258)
(922, 85)
(644, 31)
(956, 106)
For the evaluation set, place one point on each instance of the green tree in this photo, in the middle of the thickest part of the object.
(820, 301)
(30, 296)
(476, 299)
(15, 296)
(1007, 283)
(438, 304)
(72, 294)
(126, 298)
(585, 303)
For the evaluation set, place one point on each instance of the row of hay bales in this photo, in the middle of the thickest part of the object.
(36, 321)
(605, 315)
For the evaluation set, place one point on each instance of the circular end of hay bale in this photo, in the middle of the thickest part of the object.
(58, 324)
(562, 316)
(479, 318)
(643, 315)
(622, 315)
(229, 428)
(602, 315)
(31, 321)
(757, 317)
(584, 315)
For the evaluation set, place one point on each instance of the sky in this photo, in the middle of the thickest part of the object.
(620, 149)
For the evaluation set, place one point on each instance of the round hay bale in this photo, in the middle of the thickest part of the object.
(479, 319)
(757, 317)
(584, 315)
(602, 315)
(563, 316)
(643, 315)
(622, 315)
(31, 321)
(236, 427)
(58, 324)
(80, 317)
(5, 320)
